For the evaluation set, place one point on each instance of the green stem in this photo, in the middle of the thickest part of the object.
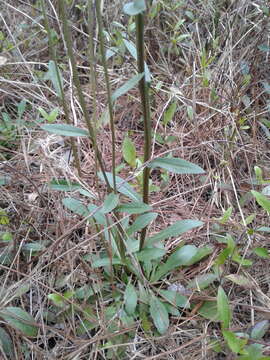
(68, 40)
(108, 87)
(61, 99)
(144, 93)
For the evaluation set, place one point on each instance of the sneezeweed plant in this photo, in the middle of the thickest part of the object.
(139, 259)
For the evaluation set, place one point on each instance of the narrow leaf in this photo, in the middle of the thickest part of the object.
(53, 76)
(223, 307)
(64, 130)
(19, 319)
(75, 206)
(178, 258)
(129, 152)
(177, 166)
(6, 343)
(226, 216)
(178, 228)
(169, 113)
(141, 222)
(110, 203)
(130, 299)
(133, 52)
(181, 256)
(106, 262)
(122, 186)
(150, 254)
(202, 281)
(262, 252)
(209, 311)
(239, 280)
(259, 330)
(63, 185)
(200, 254)
(175, 298)
(159, 315)
(127, 86)
(234, 343)
(134, 208)
(262, 200)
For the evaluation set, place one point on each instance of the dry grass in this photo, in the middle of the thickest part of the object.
(213, 137)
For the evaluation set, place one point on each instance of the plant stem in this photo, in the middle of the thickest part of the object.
(144, 93)
(61, 99)
(108, 87)
(68, 40)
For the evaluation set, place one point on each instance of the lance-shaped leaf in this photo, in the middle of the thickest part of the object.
(176, 229)
(19, 319)
(127, 86)
(64, 130)
(176, 166)
(223, 307)
(122, 186)
(159, 315)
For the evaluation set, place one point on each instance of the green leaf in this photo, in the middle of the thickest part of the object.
(209, 310)
(57, 300)
(264, 47)
(98, 215)
(175, 298)
(122, 186)
(264, 229)
(159, 315)
(63, 185)
(3, 181)
(141, 222)
(177, 166)
(87, 194)
(254, 352)
(129, 152)
(150, 254)
(201, 253)
(127, 86)
(223, 308)
(134, 208)
(262, 200)
(75, 206)
(259, 330)
(169, 113)
(226, 216)
(179, 258)
(202, 281)
(240, 260)
(6, 343)
(239, 280)
(135, 7)
(106, 262)
(64, 130)
(234, 343)
(53, 77)
(133, 52)
(130, 299)
(33, 247)
(19, 319)
(262, 252)
(172, 310)
(110, 203)
(178, 228)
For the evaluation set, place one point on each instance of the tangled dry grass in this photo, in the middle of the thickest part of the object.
(219, 124)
